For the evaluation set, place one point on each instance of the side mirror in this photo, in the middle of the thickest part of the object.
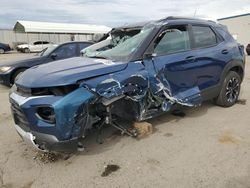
(149, 55)
(53, 56)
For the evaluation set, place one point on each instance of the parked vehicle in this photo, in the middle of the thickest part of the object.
(248, 49)
(36, 46)
(10, 71)
(173, 61)
(4, 48)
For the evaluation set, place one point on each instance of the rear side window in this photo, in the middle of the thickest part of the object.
(204, 36)
(37, 43)
(83, 45)
(66, 51)
(45, 42)
(172, 40)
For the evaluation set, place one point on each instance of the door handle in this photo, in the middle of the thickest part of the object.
(190, 58)
(225, 51)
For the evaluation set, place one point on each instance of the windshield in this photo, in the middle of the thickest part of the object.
(123, 47)
(47, 50)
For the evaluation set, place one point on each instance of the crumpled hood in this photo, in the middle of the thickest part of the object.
(66, 72)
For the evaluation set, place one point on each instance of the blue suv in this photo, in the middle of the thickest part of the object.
(169, 62)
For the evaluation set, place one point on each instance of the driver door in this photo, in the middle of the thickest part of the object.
(175, 65)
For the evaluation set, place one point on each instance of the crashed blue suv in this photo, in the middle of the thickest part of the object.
(169, 62)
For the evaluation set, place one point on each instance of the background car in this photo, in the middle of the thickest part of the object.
(36, 46)
(4, 48)
(10, 71)
(248, 49)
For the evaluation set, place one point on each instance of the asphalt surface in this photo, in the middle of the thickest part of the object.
(208, 146)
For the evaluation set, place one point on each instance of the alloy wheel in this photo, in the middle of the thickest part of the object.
(232, 90)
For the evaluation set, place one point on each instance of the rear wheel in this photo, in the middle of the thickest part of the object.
(1, 51)
(230, 90)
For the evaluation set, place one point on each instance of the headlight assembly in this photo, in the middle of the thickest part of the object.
(4, 69)
(46, 113)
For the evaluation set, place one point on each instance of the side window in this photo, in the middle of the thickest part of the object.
(83, 45)
(66, 51)
(37, 43)
(204, 36)
(45, 42)
(172, 40)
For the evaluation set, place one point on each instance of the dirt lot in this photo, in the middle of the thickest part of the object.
(209, 147)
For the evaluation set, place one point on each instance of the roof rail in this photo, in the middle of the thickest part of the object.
(185, 18)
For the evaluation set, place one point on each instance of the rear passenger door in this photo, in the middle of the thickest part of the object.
(210, 55)
(35, 46)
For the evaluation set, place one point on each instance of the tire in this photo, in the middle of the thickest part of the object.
(230, 90)
(16, 75)
(2, 51)
(26, 50)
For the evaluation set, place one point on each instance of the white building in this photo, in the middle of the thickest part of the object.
(239, 27)
(28, 31)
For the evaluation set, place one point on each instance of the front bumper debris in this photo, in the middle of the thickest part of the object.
(45, 142)
(27, 137)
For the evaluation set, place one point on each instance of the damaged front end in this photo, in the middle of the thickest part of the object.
(51, 122)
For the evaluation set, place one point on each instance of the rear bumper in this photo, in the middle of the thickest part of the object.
(46, 142)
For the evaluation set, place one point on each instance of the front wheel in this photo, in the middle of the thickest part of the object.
(26, 50)
(230, 90)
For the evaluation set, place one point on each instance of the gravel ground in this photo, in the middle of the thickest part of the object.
(208, 147)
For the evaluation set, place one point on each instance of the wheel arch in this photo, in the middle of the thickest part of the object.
(236, 66)
(14, 72)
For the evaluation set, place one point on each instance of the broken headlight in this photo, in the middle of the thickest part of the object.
(46, 113)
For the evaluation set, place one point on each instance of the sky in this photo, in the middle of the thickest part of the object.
(115, 12)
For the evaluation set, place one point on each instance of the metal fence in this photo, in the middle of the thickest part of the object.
(12, 38)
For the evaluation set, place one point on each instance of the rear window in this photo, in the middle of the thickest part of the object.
(204, 36)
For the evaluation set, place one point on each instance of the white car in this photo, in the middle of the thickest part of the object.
(36, 46)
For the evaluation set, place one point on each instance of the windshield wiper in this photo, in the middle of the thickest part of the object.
(96, 56)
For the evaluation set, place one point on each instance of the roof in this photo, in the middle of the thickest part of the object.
(49, 27)
(236, 16)
(133, 25)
